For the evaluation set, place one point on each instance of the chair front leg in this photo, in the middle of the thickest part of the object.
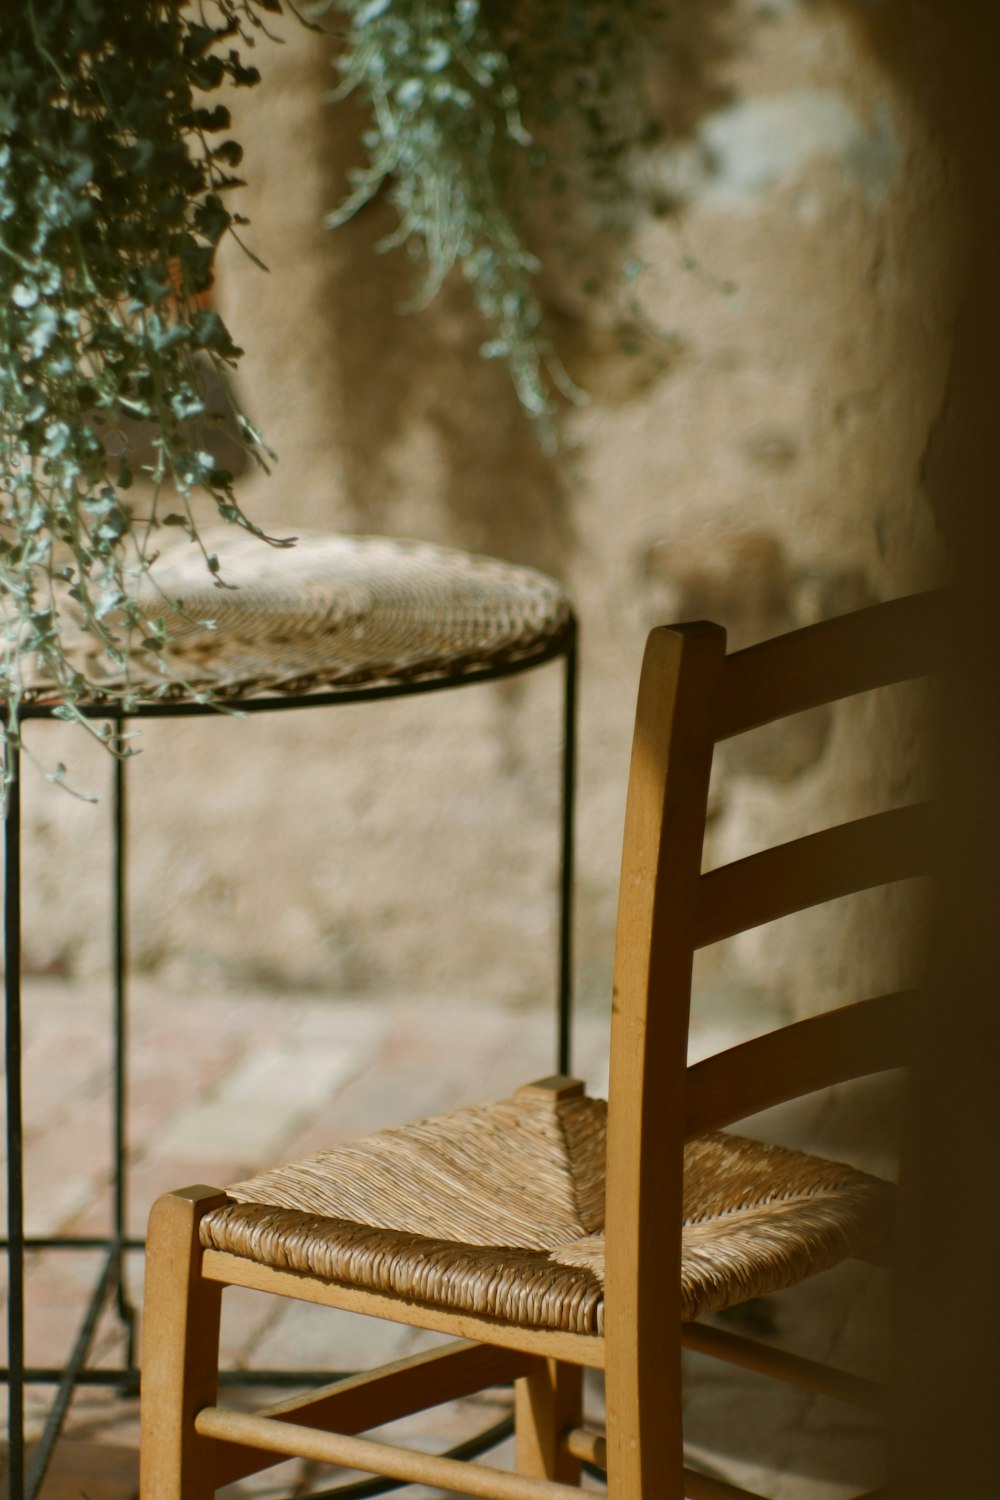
(180, 1350)
(547, 1404)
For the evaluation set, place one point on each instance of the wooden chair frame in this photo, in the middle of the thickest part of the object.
(691, 696)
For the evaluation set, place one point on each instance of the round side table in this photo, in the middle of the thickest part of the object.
(336, 619)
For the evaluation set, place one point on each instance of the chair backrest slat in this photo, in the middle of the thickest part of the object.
(854, 653)
(870, 1036)
(807, 871)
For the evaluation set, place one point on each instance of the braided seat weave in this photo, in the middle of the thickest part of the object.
(498, 1211)
(331, 612)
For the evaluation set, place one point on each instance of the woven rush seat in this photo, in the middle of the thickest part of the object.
(498, 1211)
(331, 612)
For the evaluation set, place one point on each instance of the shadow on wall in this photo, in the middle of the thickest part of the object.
(417, 379)
(943, 1430)
(416, 386)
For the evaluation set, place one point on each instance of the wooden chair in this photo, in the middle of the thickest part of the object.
(490, 1224)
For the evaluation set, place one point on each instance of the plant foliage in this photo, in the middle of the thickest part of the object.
(114, 168)
(480, 108)
(115, 163)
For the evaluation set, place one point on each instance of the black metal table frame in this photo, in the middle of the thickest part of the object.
(24, 1481)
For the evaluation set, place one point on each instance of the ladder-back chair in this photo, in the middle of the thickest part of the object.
(549, 1232)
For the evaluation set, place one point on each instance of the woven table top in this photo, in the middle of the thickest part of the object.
(333, 612)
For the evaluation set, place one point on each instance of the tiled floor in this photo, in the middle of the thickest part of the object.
(222, 1084)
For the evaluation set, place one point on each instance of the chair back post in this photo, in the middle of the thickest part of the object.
(661, 862)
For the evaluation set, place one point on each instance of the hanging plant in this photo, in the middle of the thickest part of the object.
(114, 166)
(480, 111)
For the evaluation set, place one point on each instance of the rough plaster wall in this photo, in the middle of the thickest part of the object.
(755, 460)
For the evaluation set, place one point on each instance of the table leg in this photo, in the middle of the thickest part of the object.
(125, 1310)
(15, 1134)
(567, 856)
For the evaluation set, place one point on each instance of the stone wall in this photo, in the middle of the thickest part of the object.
(751, 453)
